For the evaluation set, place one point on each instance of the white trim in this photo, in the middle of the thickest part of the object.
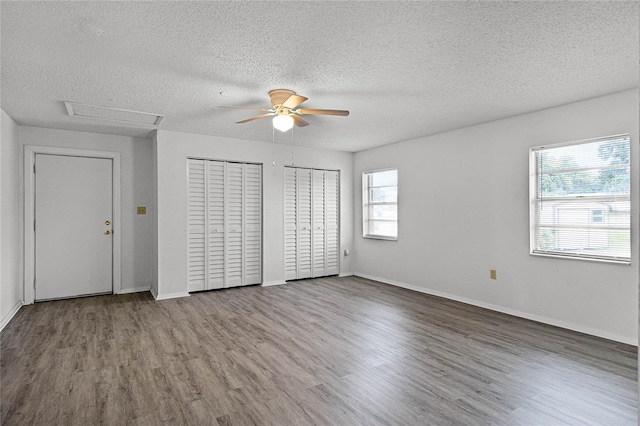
(153, 293)
(30, 152)
(574, 256)
(72, 113)
(380, 237)
(541, 319)
(272, 283)
(7, 318)
(134, 290)
(170, 295)
(345, 274)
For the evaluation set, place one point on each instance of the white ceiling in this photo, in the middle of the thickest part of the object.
(403, 69)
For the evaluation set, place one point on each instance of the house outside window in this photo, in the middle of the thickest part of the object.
(580, 199)
(380, 204)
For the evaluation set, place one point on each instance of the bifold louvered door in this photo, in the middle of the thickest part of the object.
(311, 223)
(225, 224)
(332, 222)
(290, 223)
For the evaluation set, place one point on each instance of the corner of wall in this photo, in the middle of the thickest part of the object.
(11, 274)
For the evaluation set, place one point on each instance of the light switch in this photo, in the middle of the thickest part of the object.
(142, 210)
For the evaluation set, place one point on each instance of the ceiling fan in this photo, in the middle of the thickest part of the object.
(284, 108)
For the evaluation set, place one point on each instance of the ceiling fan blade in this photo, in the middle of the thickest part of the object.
(293, 101)
(241, 107)
(254, 118)
(278, 96)
(299, 121)
(323, 111)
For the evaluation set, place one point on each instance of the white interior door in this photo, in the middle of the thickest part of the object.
(216, 221)
(303, 220)
(234, 212)
(225, 224)
(196, 239)
(319, 237)
(290, 224)
(73, 211)
(252, 224)
(332, 222)
(312, 222)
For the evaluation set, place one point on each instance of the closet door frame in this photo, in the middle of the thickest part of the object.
(205, 159)
(311, 169)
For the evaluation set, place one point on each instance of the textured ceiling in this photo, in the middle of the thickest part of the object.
(403, 69)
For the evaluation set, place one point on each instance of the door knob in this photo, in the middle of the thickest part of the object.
(107, 232)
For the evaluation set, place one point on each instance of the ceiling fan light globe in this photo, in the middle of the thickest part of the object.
(282, 122)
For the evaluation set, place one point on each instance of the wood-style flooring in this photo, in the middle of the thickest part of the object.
(332, 351)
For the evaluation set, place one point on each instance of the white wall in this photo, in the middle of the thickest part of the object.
(173, 148)
(464, 209)
(136, 186)
(11, 220)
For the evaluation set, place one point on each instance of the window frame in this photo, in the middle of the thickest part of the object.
(533, 194)
(367, 203)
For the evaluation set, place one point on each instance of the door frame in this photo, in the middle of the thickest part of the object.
(30, 152)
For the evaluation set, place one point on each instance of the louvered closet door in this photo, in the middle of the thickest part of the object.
(215, 218)
(303, 242)
(332, 222)
(234, 241)
(319, 254)
(196, 239)
(290, 224)
(252, 224)
(311, 223)
(225, 224)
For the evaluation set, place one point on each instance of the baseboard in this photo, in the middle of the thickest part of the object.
(134, 290)
(509, 311)
(170, 295)
(7, 318)
(271, 283)
(345, 274)
(153, 293)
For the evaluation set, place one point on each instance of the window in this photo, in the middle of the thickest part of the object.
(596, 216)
(580, 203)
(380, 204)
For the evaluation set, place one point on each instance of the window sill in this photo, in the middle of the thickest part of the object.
(577, 257)
(380, 237)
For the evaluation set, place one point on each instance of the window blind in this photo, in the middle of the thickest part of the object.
(580, 201)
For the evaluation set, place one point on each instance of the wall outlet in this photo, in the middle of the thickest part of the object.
(493, 274)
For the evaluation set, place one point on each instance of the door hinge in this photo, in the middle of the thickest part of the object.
(34, 283)
(34, 168)
(34, 225)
